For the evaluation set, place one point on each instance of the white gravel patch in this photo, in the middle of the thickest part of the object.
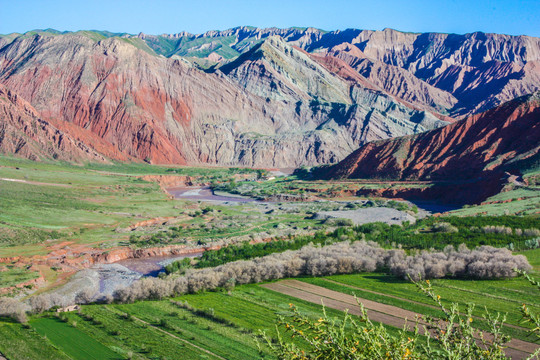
(101, 280)
(368, 215)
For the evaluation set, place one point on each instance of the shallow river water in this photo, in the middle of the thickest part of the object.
(204, 194)
(151, 266)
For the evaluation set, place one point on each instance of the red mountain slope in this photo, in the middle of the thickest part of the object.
(483, 144)
(23, 133)
(273, 107)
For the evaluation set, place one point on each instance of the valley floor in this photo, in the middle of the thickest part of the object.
(225, 324)
(59, 224)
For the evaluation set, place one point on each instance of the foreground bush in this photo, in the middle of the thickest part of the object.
(452, 337)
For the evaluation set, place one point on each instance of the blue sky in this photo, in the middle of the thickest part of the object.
(516, 17)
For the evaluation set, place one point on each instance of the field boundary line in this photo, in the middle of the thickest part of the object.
(411, 301)
(487, 295)
(116, 311)
(383, 313)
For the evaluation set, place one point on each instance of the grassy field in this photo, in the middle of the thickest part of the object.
(91, 201)
(224, 324)
(11, 276)
(72, 341)
(19, 343)
(534, 259)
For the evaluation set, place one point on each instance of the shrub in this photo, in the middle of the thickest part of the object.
(339, 258)
(531, 232)
(452, 337)
(532, 243)
(444, 227)
(494, 229)
(485, 262)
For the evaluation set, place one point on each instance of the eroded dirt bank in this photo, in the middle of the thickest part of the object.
(75, 257)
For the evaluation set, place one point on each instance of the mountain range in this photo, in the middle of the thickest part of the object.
(247, 96)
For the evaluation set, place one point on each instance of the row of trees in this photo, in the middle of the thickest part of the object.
(426, 234)
(339, 258)
(484, 262)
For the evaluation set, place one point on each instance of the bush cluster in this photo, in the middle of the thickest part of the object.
(340, 258)
(485, 262)
(346, 257)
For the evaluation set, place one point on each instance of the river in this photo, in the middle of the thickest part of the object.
(204, 194)
(152, 266)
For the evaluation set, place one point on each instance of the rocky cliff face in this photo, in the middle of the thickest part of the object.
(480, 70)
(481, 146)
(272, 98)
(274, 107)
(457, 74)
(23, 133)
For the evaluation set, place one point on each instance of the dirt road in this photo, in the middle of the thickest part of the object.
(386, 314)
(35, 182)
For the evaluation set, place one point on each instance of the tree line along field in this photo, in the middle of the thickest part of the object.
(225, 323)
(517, 233)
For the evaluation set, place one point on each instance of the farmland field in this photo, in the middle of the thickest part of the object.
(57, 210)
(225, 324)
(71, 340)
(10, 276)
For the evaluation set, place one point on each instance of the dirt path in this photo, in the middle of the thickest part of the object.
(411, 301)
(169, 334)
(36, 183)
(386, 314)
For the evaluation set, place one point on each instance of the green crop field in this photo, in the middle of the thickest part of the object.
(19, 343)
(11, 276)
(72, 341)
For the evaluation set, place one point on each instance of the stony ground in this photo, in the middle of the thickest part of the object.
(368, 215)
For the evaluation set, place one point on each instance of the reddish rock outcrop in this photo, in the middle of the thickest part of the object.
(23, 133)
(291, 97)
(479, 148)
(274, 107)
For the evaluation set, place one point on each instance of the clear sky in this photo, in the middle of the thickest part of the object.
(516, 17)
